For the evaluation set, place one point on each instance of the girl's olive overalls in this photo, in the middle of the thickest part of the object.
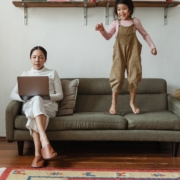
(126, 55)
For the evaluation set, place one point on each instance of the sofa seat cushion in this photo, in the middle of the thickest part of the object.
(80, 121)
(163, 120)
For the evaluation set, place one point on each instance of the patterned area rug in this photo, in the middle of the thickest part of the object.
(87, 174)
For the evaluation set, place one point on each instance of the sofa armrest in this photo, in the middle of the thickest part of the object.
(174, 105)
(12, 110)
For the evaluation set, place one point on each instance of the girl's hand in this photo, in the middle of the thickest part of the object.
(99, 27)
(154, 51)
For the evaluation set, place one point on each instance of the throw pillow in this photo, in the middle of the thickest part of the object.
(67, 104)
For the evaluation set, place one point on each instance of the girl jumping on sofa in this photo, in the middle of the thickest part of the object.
(127, 51)
(37, 110)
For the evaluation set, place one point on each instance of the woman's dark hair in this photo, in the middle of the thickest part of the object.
(40, 48)
(128, 3)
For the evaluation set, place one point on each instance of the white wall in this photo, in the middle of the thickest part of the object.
(75, 50)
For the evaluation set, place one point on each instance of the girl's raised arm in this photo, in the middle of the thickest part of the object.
(109, 33)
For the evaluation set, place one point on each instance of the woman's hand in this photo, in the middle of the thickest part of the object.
(99, 27)
(154, 51)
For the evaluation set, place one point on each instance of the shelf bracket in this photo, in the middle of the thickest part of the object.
(166, 13)
(107, 14)
(85, 14)
(25, 14)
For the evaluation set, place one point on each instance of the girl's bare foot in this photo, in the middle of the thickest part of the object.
(135, 109)
(112, 109)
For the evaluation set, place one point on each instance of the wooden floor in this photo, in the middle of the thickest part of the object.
(109, 155)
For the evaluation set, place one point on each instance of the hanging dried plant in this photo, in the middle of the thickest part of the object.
(177, 94)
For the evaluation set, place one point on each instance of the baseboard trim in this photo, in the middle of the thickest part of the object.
(2, 138)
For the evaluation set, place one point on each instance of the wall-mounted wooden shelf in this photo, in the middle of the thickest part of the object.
(92, 4)
(156, 4)
(28, 4)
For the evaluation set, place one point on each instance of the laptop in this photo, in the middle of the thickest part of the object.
(29, 86)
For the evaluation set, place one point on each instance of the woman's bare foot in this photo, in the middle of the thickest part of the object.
(112, 109)
(135, 109)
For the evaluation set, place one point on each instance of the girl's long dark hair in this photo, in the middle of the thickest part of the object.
(40, 48)
(128, 3)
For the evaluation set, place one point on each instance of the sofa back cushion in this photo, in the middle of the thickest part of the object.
(94, 95)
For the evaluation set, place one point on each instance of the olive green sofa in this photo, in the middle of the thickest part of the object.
(158, 121)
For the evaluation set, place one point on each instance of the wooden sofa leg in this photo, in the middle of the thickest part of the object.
(20, 147)
(175, 146)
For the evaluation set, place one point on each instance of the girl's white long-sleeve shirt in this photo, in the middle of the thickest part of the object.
(55, 87)
(137, 23)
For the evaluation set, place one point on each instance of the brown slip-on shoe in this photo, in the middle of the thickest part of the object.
(48, 152)
(38, 162)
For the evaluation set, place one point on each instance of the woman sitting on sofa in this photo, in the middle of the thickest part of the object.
(37, 110)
